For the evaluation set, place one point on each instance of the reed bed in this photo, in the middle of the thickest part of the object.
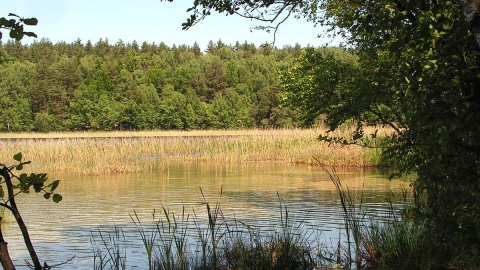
(123, 152)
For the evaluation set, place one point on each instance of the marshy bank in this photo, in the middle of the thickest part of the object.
(126, 152)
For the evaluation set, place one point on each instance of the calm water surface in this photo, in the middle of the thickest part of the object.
(250, 193)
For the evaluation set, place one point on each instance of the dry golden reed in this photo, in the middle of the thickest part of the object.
(121, 152)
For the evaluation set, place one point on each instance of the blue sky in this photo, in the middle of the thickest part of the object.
(150, 21)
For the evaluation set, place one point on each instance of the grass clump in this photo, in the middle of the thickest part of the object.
(402, 244)
(281, 250)
(287, 247)
(220, 243)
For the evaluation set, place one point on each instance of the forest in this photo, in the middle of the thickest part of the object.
(102, 86)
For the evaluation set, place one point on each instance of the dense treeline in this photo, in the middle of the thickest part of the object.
(57, 87)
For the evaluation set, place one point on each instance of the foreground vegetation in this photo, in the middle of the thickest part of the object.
(117, 152)
(209, 238)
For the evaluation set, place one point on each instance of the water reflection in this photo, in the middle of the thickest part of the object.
(250, 193)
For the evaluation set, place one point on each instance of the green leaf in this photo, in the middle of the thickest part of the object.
(19, 167)
(9, 23)
(47, 195)
(54, 185)
(29, 34)
(19, 36)
(30, 21)
(13, 33)
(37, 188)
(18, 157)
(57, 198)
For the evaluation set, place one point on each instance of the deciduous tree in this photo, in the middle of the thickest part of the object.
(418, 72)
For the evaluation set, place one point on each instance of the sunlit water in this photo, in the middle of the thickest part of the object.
(93, 204)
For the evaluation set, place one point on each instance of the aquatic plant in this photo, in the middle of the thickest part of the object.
(396, 242)
(216, 241)
(106, 153)
(401, 244)
(109, 250)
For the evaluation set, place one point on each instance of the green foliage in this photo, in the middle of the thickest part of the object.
(15, 82)
(418, 72)
(56, 87)
(44, 122)
(318, 85)
(27, 182)
(231, 110)
(146, 107)
(16, 26)
(172, 109)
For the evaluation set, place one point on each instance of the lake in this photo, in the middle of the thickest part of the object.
(250, 193)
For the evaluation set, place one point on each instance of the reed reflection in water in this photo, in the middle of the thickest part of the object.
(250, 194)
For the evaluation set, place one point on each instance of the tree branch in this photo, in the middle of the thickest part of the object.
(5, 173)
(377, 114)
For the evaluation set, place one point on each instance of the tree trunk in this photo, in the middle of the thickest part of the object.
(5, 259)
(23, 228)
(471, 10)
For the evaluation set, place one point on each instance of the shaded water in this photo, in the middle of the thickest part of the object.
(60, 231)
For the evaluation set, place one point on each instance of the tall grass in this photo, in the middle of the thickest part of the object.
(108, 249)
(353, 220)
(115, 152)
(216, 241)
(396, 242)
(173, 249)
(402, 245)
(148, 238)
